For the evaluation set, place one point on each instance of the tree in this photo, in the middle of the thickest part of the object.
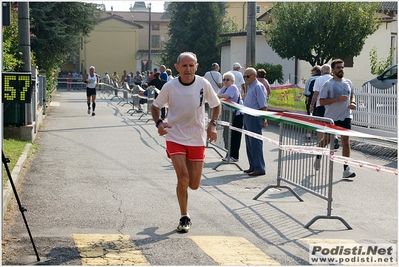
(273, 72)
(12, 58)
(378, 66)
(195, 27)
(229, 25)
(316, 32)
(57, 28)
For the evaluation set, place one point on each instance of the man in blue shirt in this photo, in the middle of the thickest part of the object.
(164, 75)
(256, 99)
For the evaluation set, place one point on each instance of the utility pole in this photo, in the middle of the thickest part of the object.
(251, 34)
(149, 38)
(24, 45)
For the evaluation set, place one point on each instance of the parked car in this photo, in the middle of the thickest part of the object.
(385, 80)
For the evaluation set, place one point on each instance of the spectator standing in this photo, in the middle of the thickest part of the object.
(74, 79)
(143, 92)
(91, 80)
(152, 75)
(164, 75)
(308, 92)
(125, 78)
(338, 98)
(131, 80)
(239, 80)
(261, 76)
(107, 79)
(185, 132)
(169, 72)
(80, 77)
(147, 76)
(256, 99)
(69, 81)
(158, 83)
(138, 78)
(231, 92)
(315, 73)
(318, 110)
(115, 79)
(214, 77)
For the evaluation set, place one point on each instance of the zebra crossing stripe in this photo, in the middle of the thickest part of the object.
(230, 250)
(110, 250)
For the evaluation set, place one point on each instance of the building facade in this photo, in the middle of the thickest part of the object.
(358, 72)
(123, 41)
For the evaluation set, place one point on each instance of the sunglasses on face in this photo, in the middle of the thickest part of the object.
(226, 79)
(247, 76)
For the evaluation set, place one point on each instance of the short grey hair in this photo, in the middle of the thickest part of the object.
(253, 71)
(214, 66)
(187, 54)
(325, 69)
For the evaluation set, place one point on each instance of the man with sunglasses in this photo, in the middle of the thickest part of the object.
(256, 99)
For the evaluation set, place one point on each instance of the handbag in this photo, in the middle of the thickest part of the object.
(215, 81)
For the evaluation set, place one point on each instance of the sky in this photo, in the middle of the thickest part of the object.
(156, 6)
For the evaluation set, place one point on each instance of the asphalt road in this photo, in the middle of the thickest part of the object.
(101, 191)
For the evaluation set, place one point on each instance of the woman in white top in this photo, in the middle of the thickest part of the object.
(91, 80)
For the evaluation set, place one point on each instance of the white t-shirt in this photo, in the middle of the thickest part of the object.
(91, 80)
(216, 77)
(186, 110)
(318, 83)
(239, 79)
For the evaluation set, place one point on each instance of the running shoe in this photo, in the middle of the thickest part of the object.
(93, 114)
(348, 174)
(88, 111)
(184, 224)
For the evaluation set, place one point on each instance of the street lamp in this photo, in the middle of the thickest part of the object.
(149, 37)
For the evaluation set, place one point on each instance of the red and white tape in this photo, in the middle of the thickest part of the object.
(317, 151)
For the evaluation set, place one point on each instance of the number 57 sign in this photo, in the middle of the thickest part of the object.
(16, 87)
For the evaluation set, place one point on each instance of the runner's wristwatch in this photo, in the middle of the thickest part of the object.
(158, 122)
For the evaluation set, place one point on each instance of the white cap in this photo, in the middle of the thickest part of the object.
(237, 65)
(92, 67)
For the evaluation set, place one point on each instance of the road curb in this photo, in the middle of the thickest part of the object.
(16, 172)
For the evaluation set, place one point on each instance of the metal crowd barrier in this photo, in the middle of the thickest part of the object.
(75, 84)
(296, 157)
(150, 99)
(106, 88)
(116, 91)
(135, 100)
(222, 142)
(125, 92)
